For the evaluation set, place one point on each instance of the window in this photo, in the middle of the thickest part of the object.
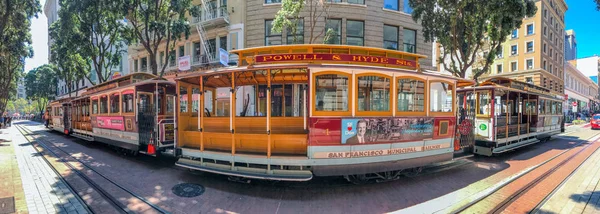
(356, 1)
(410, 40)
(544, 47)
(195, 99)
(483, 102)
(296, 36)
(161, 59)
(391, 4)
(544, 65)
(545, 13)
(135, 66)
(515, 33)
(390, 37)
(440, 99)
(272, 1)
(181, 51)
(144, 64)
(529, 47)
(551, 36)
(541, 107)
(407, 8)
(545, 30)
(183, 99)
(529, 29)
(499, 68)
(529, 64)
(197, 53)
(550, 68)
(103, 104)
(513, 66)
(172, 58)
(355, 32)
(223, 42)
(212, 46)
(170, 103)
(333, 31)
(513, 50)
(127, 103)
(529, 80)
(114, 103)
(271, 37)
(95, 106)
(373, 93)
(411, 95)
(500, 52)
(331, 92)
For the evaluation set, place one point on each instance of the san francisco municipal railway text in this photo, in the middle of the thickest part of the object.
(381, 152)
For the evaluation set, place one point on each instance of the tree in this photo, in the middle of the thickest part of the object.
(40, 84)
(99, 26)
(15, 43)
(72, 66)
(597, 4)
(152, 22)
(289, 15)
(467, 28)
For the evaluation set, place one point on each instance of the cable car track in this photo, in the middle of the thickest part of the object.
(508, 200)
(122, 208)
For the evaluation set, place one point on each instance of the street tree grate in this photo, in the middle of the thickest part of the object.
(188, 190)
(7, 205)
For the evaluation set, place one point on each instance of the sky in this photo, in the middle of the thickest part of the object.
(39, 36)
(583, 17)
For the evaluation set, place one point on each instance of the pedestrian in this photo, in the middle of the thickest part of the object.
(47, 118)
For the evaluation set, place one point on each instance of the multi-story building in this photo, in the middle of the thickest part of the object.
(570, 45)
(21, 93)
(237, 24)
(534, 53)
(581, 93)
(219, 26)
(589, 66)
(51, 8)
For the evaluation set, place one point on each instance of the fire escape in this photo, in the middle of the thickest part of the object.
(211, 17)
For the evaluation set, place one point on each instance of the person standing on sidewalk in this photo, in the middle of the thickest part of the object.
(47, 118)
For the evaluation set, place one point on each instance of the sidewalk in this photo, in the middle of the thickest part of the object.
(12, 197)
(35, 186)
(580, 193)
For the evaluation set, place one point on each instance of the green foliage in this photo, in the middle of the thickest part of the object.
(470, 27)
(98, 29)
(40, 84)
(15, 43)
(290, 14)
(597, 4)
(20, 105)
(152, 22)
(66, 49)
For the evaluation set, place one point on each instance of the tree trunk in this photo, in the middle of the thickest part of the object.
(153, 65)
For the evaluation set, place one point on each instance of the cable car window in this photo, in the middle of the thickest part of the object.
(483, 101)
(145, 102)
(103, 104)
(183, 99)
(553, 107)
(114, 103)
(170, 103)
(542, 106)
(440, 99)
(500, 103)
(95, 106)
(127, 103)
(195, 99)
(222, 102)
(411, 95)
(331, 92)
(548, 107)
(246, 101)
(208, 101)
(373, 93)
(530, 106)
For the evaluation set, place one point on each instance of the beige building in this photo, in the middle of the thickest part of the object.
(220, 26)
(534, 53)
(581, 92)
(237, 24)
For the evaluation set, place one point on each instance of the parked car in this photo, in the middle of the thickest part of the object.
(595, 121)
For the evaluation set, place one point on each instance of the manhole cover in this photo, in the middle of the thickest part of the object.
(188, 190)
(7, 205)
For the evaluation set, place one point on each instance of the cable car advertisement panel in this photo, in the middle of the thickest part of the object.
(385, 130)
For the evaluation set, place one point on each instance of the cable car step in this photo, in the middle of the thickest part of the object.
(515, 145)
(246, 172)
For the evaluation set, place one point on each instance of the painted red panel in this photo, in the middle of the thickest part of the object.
(451, 127)
(324, 131)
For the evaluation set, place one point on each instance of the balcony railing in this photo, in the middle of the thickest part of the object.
(212, 14)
